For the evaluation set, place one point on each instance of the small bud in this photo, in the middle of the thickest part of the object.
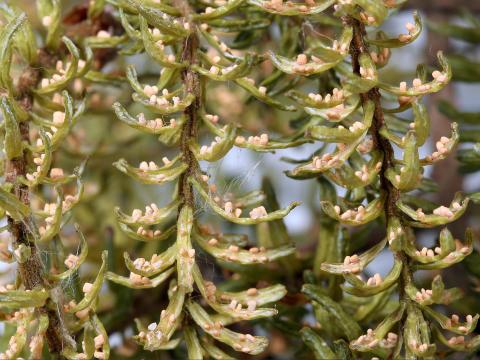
(258, 212)
(252, 292)
(238, 212)
(251, 305)
(99, 341)
(58, 118)
(71, 261)
(56, 173)
(144, 166)
(44, 83)
(87, 287)
(103, 34)
(166, 161)
(47, 21)
(302, 59)
(443, 211)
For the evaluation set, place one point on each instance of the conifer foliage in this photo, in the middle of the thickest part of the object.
(318, 66)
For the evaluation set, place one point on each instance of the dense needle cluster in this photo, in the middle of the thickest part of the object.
(373, 154)
(178, 95)
(316, 65)
(37, 198)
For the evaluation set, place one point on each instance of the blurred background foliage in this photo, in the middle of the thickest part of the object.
(453, 26)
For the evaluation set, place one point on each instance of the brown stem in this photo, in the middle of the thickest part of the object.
(192, 85)
(32, 272)
(358, 47)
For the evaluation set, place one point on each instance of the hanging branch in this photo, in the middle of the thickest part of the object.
(358, 46)
(178, 94)
(32, 272)
(38, 114)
